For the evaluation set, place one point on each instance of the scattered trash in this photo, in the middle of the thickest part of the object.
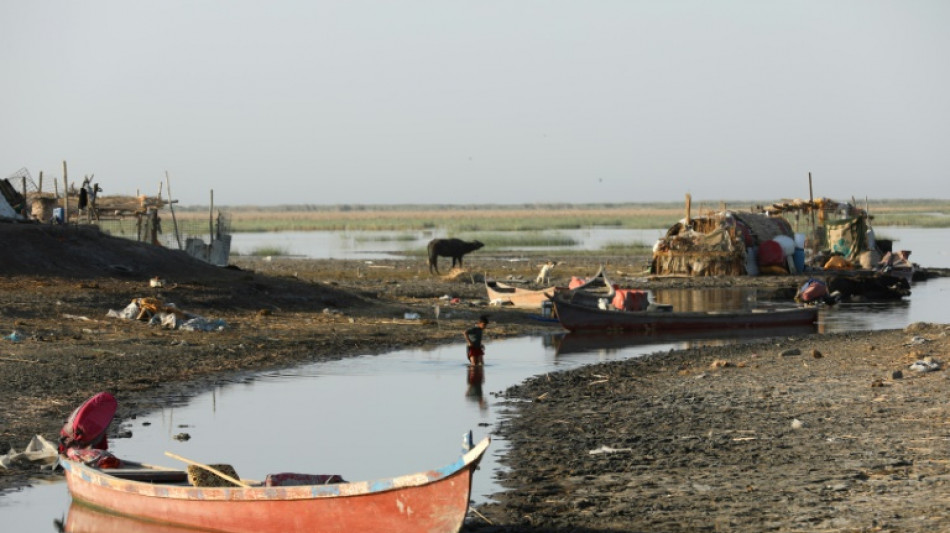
(797, 424)
(928, 364)
(608, 449)
(203, 324)
(156, 282)
(16, 336)
(412, 316)
(168, 316)
(789, 352)
(38, 452)
(917, 339)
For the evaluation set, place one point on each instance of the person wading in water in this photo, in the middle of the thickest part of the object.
(473, 338)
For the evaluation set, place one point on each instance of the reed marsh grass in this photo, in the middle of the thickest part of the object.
(265, 251)
(521, 218)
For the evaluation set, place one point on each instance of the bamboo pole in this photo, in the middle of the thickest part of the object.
(41, 183)
(689, 202)
(211, 219)
(23, 208)
(65, 195)
(171, 207)
(811, 201)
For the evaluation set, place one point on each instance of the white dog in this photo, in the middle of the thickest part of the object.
(543, 276)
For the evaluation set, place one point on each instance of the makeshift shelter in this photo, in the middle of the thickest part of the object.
(722, 244)
(11, 201)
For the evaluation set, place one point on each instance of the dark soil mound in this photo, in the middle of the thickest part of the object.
(85, 252)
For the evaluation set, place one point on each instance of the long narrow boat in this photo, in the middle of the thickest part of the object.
(435, 501)
(581, 317)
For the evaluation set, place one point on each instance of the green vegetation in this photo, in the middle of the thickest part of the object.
(470, 219)
(405, 237)
(627, 248)
(520, 240)
(265, 251)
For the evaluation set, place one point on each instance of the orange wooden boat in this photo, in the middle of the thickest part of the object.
(517, 297)
(435, 501)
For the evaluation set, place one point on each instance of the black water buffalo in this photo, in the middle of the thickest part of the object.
(454, 248)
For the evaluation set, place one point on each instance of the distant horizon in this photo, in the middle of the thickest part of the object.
(670, 203)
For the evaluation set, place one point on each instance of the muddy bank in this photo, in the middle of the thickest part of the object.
(682, 443)
(815, 433)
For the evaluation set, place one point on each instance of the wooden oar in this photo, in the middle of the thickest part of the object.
(214, 471)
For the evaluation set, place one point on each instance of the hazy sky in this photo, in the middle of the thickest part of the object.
(383, 102)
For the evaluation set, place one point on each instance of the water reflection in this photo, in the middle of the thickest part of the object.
(475, 380)
(608, 343)
(84, 519)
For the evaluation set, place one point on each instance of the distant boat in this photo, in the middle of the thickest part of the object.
(581, 316)
(434, 501)
(517, 297)
(522, 298)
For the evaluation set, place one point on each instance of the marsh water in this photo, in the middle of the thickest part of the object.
(377, 416)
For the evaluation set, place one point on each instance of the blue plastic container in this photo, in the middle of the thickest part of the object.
(799, 259)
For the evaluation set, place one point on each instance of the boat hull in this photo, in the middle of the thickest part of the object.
(576, 317)
(435, 501)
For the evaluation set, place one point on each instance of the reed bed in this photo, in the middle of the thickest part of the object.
(471, 219)
(264, 251)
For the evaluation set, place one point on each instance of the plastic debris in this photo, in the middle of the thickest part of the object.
(926, 365)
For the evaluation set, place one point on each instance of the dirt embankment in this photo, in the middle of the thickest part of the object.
(821, 432)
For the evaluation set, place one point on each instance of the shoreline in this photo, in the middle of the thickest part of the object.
(828, 432)
(284, 313)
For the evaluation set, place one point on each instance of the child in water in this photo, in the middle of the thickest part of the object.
(473, 338)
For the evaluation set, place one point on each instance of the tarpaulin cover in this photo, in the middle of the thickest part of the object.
(86, 426)
(847, 237)
(576, 282)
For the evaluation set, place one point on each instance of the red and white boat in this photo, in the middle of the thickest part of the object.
(435, 501)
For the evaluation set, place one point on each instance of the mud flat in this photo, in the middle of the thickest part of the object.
(817, 433)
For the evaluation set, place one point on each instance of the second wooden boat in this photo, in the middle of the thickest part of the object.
(581, 317)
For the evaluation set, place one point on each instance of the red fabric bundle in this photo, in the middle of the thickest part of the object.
(771, 254)
(631, 300)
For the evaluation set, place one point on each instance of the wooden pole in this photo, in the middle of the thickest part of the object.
(65, 195)
(41, 183)
(23, 209)
(171, 207)
(214, 471)
(689, 202)
(811, 201)
(211, 225)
